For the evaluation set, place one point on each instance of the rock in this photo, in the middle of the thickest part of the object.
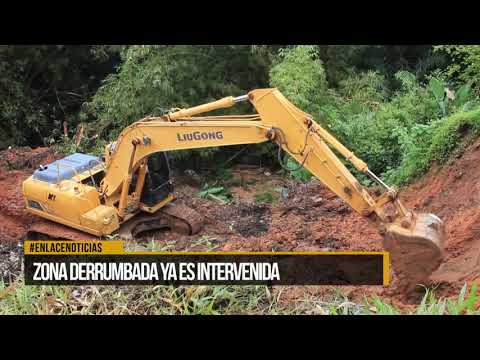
(317, 201)
(285, 193)
(192, 178)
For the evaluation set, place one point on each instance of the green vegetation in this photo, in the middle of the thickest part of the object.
(400, 108)
(436, 141)
(266, 197)
(463, 62)
(219, 194)
(430, 305)
(297, 172)
(398, 131)
(158, 300)
(152, 79)
(210, 242)
(208, 300)
(45, 85)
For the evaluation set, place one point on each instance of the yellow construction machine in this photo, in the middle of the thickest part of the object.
(129, 189)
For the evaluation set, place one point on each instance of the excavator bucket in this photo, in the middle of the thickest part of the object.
(416, 248)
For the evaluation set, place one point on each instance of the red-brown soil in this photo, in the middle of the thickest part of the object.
(306, 217)
(453, 193)
(15, 166)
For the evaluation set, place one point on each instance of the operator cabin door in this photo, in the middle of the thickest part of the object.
(157, 181)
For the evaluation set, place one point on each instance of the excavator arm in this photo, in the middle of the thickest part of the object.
(277, 120)
(415, 241)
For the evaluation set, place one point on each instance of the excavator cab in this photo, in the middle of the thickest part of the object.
(158, 185)
(156, 201)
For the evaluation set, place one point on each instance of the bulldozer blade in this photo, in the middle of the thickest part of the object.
(416, 251)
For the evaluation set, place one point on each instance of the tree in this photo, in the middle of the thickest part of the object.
(43, 85)
(152, 79)
(464, 65)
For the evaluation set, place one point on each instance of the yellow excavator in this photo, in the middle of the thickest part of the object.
(129, 189)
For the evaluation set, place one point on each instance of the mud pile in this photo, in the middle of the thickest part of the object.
(453, 193)
(310, 218)
(23, 158)
(16, 165)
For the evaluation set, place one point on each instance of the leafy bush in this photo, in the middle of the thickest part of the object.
(371, 124)
(219, 194)
(364, 88)
(398, 134)
(297, 172)
(464, 65)
(300, 76)
(424, 144)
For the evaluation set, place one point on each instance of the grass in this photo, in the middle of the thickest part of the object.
(210, 242)
(135, 300)
(266, 197)
(17, 298)
(462, 305)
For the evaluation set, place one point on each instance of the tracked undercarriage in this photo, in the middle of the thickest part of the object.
(176, 217)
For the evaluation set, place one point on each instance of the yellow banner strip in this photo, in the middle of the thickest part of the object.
(73, 247)
(116, 247)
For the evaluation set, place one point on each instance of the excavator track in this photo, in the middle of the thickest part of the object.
(183, 217)
(175, 216)
(44, 229)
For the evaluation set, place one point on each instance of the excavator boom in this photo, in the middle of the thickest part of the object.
(420, 236)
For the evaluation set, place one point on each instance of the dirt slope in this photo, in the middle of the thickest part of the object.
(453, 193)
(312, 218)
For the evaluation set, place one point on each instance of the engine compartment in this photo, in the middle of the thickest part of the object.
(66, 168)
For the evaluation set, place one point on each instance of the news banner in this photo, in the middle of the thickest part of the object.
(107, 263)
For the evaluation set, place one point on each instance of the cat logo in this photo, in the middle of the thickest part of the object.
(51, 197)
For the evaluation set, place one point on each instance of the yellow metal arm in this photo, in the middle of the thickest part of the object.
(277, 120)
